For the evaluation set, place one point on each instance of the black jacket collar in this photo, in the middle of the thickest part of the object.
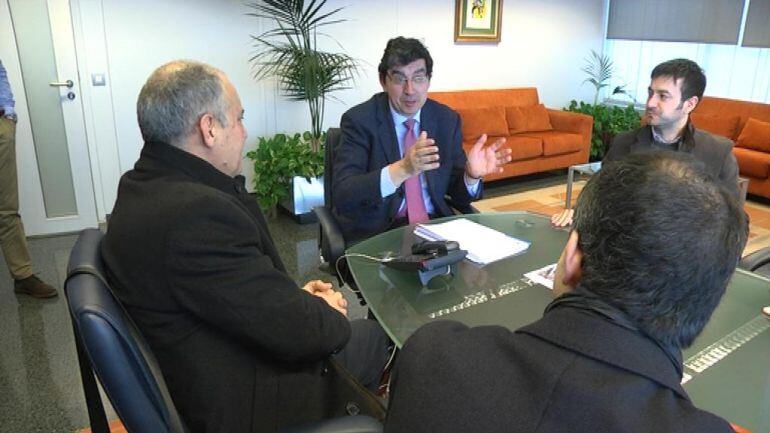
(177, 160)
(592, 333)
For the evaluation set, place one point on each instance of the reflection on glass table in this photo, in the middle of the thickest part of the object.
(725, 370)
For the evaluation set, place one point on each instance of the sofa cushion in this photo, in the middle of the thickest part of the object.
(487, 120)
(718, 124)
(755, 135)
(752, 163)
(521, 147)
(530, 118)
(558, 143)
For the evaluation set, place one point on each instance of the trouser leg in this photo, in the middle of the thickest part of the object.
(13, 241)
(366, 353)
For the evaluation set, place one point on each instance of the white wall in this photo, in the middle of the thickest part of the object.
(544, 44)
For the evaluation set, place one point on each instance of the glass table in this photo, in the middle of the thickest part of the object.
(726, 368)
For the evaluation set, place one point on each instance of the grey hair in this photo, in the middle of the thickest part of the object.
(175, 97)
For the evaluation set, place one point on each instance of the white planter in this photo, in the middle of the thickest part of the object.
(304, 196)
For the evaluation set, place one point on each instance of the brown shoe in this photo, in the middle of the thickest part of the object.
(34, 287)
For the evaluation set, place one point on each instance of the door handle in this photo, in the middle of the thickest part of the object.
(67, 84)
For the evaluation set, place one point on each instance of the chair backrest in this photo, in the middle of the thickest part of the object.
(110, 344)
(333, 138)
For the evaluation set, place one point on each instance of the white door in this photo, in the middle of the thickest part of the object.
(56, 192)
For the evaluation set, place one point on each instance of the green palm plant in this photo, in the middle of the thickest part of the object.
(288, 52)
(600, 69)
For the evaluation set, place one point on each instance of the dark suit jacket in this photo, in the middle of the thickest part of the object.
(188, 252)
(714, 151)
(572, 371)
(369, 143)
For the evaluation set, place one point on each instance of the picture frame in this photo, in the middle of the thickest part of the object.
(478, 20)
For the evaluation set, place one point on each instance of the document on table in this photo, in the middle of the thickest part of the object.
(544, 275)
(484, 245)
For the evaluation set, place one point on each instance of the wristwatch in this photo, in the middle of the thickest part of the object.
(12, 117)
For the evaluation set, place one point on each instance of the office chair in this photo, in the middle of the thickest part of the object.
(757, 262)
(331, 243)
(109, 345)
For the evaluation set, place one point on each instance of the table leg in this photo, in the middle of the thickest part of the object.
(570, 175)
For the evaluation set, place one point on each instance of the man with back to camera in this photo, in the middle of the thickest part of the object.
(401, 153)
(606, 355)
(675, 90)
(188, 252)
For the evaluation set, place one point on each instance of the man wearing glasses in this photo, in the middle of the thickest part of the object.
(401, 153)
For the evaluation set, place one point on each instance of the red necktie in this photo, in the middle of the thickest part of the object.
(415, 206)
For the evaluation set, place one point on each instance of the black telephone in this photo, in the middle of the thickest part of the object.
(429, 258)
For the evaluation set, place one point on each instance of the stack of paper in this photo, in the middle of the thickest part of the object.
(484, 245)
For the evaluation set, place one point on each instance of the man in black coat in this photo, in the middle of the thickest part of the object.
(373, 166)
(676, 88)
(188, 252)
(640, 276)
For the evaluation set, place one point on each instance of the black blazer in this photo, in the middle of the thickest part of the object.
(715, 152)
(369, 143)
(188, 252)
(571, 371)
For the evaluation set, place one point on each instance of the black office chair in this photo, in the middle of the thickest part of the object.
(757, 262)
(109, 345)
(331, 243)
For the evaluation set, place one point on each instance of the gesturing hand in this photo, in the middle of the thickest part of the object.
(423, 156)
(486, 160)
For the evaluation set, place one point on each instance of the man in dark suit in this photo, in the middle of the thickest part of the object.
(376, 165)
(188, 252)
(676, 88)
(606, 356)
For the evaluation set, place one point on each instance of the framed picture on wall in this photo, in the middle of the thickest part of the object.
(478, 20)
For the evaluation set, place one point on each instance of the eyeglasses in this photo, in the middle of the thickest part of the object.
(400, 79)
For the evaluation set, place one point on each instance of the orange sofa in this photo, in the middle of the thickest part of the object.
(540, 138)
(748, 125)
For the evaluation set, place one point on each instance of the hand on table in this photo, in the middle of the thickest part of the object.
(563, 218)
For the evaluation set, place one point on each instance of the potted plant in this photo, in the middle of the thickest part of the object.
(280, 159)
(609, 120)
(289, 53)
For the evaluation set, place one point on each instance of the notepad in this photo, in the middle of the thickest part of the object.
(484, 245)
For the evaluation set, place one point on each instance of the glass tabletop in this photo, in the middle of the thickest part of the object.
(402, 304)
(726, 368)
(588, 168)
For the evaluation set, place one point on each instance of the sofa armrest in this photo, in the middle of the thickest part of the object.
(567, 121)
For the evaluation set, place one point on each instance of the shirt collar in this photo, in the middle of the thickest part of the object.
(399, 119)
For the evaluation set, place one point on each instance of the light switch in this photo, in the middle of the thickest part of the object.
(98, 79)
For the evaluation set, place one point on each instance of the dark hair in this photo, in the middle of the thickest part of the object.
(660, 241)
(402, 51)
(693, 78)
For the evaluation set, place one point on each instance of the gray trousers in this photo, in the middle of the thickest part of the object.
(13, 242)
